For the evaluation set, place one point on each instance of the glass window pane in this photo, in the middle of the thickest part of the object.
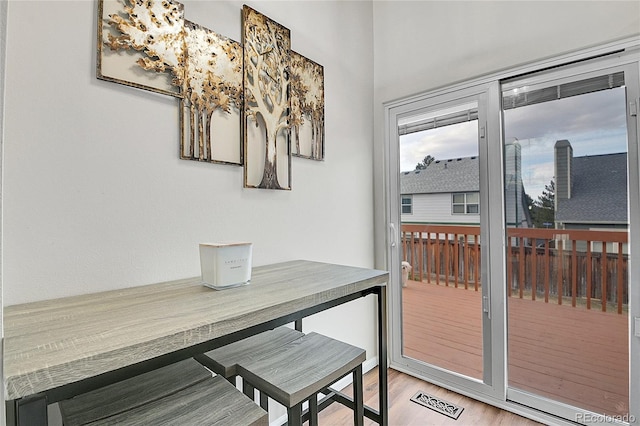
(472, 208)
(458, 198)
(566, 182)
(473, 198)
(443, 146)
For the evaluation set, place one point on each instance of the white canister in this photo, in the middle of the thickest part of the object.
(225, 265)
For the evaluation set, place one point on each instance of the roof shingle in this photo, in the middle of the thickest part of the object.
(455, 175)
(599, 192)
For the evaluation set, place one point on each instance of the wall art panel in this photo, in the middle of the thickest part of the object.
(212, 102)
(307, 108)
(141, 44)
(267, 159)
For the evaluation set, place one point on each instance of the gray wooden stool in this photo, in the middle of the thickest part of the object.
(299, 370)
(183, 393)
(224, 361)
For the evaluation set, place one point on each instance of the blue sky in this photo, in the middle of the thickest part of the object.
(594, 124)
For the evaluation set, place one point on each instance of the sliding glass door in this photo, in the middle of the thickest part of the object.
(513, 207)
(443, 325)
(568, 147)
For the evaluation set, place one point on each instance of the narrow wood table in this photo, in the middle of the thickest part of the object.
(55, 349)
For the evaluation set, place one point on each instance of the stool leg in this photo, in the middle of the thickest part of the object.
(313, 410)
(248, 388)
(294, 415)
(358, 397)
(264, 401)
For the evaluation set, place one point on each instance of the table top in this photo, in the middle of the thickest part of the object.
(60, 341)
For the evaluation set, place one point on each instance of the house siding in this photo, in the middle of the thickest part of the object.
(436, 209)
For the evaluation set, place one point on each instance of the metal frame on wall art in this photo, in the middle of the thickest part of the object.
(267, 161)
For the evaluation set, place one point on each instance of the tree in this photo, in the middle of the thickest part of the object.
(266, 50)
(155, 28)
(543, 211)
(213, 82)
(425, 162)
(307, 100)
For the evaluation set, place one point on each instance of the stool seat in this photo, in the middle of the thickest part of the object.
(224, 360)
(169, 395)
(212, 402)
(301, 369)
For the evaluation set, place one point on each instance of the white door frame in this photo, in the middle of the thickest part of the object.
(493, 390)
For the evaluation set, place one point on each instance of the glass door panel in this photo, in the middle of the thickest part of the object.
(440, 250)
(567, 251)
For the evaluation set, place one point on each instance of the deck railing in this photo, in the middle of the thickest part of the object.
(583, 267)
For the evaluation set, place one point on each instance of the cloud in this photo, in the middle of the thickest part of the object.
(443, 143)
(594, 123)
(582, 114)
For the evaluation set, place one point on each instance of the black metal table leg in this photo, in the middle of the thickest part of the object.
(382, 356)
(31, 411)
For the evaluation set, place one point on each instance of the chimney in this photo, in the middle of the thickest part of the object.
(563, 170)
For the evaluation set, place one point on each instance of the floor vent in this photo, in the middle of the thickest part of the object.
(439, 405)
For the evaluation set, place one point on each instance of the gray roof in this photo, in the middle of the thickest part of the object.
(455, 175)
(599, 191)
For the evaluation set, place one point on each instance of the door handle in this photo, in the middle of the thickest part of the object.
(394, 235)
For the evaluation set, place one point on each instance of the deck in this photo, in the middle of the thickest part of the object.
(570, 354)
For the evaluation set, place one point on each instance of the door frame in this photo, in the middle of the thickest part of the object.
(493, 349)
(495, 391)
(626, 62)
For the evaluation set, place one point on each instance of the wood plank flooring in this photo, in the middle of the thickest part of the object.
(404, 412)
(573, 355)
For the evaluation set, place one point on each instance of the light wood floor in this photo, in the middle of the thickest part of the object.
(404, 412)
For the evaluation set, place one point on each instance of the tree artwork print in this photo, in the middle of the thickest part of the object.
(307, 108)
(267, 160)
(205, 71)
(254, 104)
(134, 37)
(212, 94)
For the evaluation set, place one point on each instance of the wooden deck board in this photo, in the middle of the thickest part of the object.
(574, 355)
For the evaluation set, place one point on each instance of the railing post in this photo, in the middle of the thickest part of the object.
(620, 276)
(534, 272)
(446, 247)
(560, 264)
(521, 264)
(574, 272)
(509, 267)
(437, 258)
(477, 260)
(421, 261)
(429, 251)
(466, 261)
(603, 266)
(456, 259)
(588, 266)
(547, 267)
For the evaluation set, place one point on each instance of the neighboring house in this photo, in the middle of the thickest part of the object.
(447, 192)
(591, 193)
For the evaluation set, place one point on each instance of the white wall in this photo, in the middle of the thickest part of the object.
(95, 197)
(421, 46)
